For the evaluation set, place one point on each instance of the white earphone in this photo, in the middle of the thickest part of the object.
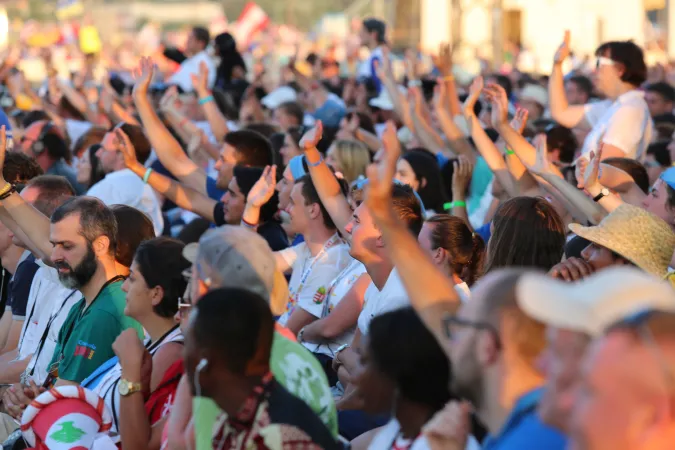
(202, 364)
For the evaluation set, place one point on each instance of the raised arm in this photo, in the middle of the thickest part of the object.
(423, 130)
(431, 293)
(182, 196)
(484, 144)
(327, 186)
(594, 186)
(217, 121)
(168, 150)
(455, 136)
(561, 111)
(543, 168)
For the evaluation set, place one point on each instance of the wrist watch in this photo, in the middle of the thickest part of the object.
(603, 193)
(126, 387)
(301, 334)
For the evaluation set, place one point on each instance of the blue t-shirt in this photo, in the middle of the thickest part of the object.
(212, 190)
(485, 232)
(19, 287)
(523, 430)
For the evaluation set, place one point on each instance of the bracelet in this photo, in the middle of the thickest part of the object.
(414, 83)
(147, 175)
(316, 164)
(205, 100)
(7, 190)
(509, 151)
(250, 225)
(449, 205)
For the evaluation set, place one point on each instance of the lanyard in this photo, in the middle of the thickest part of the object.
(53, 371)
(333, 241)
(43, 339)
(326, 306)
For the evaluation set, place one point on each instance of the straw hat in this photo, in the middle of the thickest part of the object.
(637, 235)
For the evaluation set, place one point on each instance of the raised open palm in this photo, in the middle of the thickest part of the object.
(263, 190)
(144, 75)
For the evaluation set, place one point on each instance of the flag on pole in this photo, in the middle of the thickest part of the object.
(252, 19)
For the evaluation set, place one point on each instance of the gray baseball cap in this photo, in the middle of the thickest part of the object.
(236, 257)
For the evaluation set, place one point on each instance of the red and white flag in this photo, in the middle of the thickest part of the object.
(252, 19)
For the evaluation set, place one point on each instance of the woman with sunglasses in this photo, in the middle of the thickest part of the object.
(622, 122)
(154, 287)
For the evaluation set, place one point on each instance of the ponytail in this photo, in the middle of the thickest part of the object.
(474, 268)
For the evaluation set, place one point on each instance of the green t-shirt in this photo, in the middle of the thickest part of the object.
(296, 369)
(79, 352)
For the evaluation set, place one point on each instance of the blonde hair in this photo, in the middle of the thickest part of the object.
(354, 157)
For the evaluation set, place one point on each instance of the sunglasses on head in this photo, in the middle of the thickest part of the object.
(603, 61)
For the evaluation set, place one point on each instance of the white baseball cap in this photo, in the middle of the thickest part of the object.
(593, 304)
(278, 97)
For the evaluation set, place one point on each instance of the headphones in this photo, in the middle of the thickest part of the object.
(202, 365)
(39, 144)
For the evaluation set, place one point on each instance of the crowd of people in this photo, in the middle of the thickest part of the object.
(366, 262)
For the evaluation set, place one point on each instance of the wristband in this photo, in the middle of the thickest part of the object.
(449, 205)
(414, 83)
(250, 225)
(316, 164)
(147, 175)
(509, 151)
(205, 100)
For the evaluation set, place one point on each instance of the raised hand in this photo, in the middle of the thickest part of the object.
(592, 170)
(168, 100)
(200, 81)
(500, 104)
(461, 177)
(144, 75)
(564, 49)
(263, 190)
(312, 137)
(381, 175)
(542, 164)
(474, 93)
(127, 149)
(520, 120)
(444, 59)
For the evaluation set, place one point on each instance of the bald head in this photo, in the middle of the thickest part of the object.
(495, 295)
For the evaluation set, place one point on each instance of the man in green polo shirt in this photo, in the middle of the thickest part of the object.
(82, 237)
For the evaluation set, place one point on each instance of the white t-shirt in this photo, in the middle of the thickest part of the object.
(76, 128)
(338, 289)
(376, 302)
(390, 434)
(312, 276)
(463, 291)
(125, 188)
(191, 66)
(624, 123)
(53, 313)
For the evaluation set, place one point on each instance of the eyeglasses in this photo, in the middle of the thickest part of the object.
(450, 321)
(638, 323)
(603, 61)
